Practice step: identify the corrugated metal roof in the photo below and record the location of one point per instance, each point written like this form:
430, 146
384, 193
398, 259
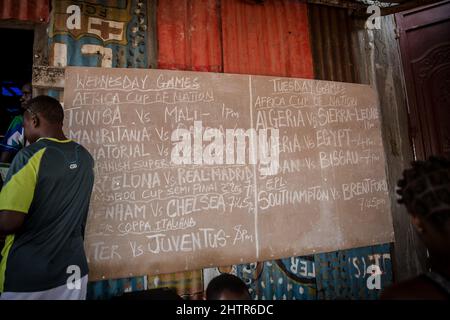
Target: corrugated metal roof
25, 10
360, 6
330, 31
270, 38
189, 35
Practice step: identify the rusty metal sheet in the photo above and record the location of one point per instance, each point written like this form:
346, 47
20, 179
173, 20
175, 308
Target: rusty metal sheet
346, 274
25, 10
331, 30
189, 35
269, 38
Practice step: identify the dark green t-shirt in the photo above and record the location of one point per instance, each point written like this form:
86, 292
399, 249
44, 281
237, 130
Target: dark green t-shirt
51, 182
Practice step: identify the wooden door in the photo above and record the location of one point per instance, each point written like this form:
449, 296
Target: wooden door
425, 49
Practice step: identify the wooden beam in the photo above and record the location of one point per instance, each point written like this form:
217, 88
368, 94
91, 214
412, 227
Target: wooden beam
406, 6
347, 4
401, 6
46, 77
387, 6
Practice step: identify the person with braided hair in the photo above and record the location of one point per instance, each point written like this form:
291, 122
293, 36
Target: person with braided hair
425, 191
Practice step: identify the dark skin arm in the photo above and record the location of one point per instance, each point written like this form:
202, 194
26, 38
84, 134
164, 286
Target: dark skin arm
6, 157
10, 222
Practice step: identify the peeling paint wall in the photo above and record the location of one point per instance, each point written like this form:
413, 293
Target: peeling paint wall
97, 35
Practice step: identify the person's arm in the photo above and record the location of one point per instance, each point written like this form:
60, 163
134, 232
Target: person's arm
13, 141
6, 156
10, 222
18, 190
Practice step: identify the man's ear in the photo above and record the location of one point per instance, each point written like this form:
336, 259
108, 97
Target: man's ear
418, 223
35, 121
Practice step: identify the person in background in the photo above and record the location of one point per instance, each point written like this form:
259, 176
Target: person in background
425, 191
43, 210
227, 287
14, 139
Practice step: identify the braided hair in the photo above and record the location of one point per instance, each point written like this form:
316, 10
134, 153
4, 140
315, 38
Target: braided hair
425, 190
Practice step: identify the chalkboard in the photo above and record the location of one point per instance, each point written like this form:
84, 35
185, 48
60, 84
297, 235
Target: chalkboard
172, 193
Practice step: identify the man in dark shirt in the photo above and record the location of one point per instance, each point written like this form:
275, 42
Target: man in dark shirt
425, 191
43, 210
14, 139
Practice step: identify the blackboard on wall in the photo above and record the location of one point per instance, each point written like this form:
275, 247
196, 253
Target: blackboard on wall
150, 215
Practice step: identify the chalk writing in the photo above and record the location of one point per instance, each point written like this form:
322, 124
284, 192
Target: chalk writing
150, 214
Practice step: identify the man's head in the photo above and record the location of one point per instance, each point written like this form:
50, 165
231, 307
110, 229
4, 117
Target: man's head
227, 287
26, 95
43, 116
425, 191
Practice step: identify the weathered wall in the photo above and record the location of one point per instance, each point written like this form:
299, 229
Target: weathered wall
378, 57
331, 34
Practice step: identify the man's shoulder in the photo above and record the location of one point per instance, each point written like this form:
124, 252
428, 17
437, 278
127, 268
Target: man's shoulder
28, 157
25, 154
43, 142
84, 151
30, 150
81, 151
16, 121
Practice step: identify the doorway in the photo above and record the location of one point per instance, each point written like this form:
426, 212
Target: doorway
16, 63
425, 50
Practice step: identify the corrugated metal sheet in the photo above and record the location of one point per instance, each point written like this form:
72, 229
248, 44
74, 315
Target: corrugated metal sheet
346, 274
25, 10
284, 279
270, 38
330, 31
189, 35
267, 39
335, 275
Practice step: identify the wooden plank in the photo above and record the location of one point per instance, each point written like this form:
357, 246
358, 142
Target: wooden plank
348, 4
48, 77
